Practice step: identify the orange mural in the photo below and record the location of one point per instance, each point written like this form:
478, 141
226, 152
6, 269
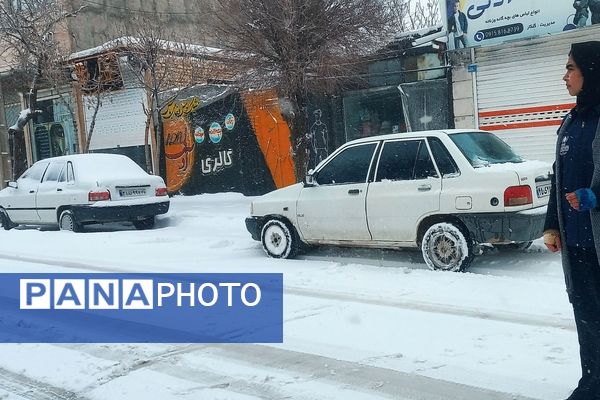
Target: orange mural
273, 135
179, 152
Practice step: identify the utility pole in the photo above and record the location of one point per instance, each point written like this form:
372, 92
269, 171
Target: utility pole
5, 167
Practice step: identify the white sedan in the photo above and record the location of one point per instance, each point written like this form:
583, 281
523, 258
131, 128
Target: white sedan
71, 191
448, 192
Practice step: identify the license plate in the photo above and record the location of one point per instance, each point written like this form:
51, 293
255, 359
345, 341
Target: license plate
543, 190
132, 192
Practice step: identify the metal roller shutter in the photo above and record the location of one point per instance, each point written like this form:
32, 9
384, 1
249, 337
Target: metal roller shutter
520, 93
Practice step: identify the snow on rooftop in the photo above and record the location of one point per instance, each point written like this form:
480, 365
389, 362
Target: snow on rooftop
420, 32
126, 41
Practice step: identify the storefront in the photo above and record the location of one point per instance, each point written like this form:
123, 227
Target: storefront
52, 132
376, 111
520, 95
407, 93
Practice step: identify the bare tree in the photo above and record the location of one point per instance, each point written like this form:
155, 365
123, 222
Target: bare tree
287, 42
299, 46
28, 34
160, 63
150, 51
414, 15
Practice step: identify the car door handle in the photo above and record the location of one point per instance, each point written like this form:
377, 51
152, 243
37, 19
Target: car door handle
59, 190
32, 191
353, 191
424, 188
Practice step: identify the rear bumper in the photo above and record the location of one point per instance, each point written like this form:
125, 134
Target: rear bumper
522, 226
119, 213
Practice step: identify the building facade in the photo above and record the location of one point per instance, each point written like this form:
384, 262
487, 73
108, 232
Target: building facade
61, 126
516, 90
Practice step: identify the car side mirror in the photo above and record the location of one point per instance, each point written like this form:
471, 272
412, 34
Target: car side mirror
13, 184
310, 181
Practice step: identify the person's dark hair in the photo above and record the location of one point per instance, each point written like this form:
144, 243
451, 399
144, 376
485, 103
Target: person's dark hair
587, 57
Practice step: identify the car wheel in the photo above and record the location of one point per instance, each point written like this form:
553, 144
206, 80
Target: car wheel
520, 246
7, 224
445, 247
146, 223
68, 222
279, 239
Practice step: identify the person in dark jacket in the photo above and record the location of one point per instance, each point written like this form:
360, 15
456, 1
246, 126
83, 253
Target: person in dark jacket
573, 220
581, 12
458, 25
594, 6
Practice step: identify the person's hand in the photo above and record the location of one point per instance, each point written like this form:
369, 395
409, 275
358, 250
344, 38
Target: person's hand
573, 200
552, 240
582, 199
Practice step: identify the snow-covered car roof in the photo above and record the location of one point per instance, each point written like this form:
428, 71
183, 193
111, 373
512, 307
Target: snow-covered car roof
100, 165
417, 134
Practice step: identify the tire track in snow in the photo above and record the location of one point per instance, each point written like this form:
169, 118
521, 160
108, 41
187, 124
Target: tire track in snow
437, 308
60, 263
282, 373
166, 362
32, 389
407, 304
355, 376
396, 384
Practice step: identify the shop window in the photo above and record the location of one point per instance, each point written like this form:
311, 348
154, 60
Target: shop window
99, 74
373, 112
425, 105
52, 131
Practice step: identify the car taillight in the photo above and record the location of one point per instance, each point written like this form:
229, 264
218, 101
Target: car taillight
99, 196
517, 196
161, 191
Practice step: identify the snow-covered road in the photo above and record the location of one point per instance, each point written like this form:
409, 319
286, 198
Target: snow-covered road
358, 324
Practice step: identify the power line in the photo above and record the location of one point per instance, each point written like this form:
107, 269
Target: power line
143, 11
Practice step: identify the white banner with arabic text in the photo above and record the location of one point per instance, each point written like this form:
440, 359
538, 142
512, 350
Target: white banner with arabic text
487, 22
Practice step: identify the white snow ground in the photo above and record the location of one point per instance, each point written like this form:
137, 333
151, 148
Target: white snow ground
358, 324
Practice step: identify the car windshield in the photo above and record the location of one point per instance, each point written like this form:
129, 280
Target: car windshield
482, 149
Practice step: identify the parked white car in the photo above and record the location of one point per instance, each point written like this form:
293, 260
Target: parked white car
445, 191
71, 191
